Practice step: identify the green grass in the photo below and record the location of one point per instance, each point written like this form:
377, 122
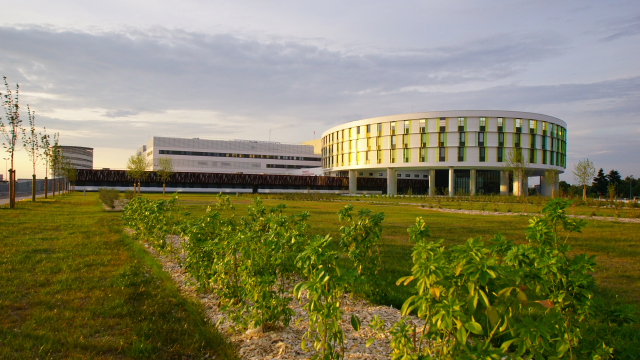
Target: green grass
74, 285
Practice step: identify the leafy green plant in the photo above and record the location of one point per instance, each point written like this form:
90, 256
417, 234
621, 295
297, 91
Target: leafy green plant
525, 301
324, 286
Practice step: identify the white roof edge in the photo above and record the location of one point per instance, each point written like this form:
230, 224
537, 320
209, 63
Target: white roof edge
451, 113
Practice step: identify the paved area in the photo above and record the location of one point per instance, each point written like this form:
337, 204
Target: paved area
4, 198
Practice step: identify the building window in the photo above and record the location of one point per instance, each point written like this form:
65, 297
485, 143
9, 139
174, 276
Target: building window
460, 153
407, 126
379, 156
482, 154
532, 156
392, 156
500, 124
407, 175
368, 129
405, 141
425, 176
416, 175
358, 130
480, 139
518, 125
407, 155
359, 174
441, 138
379, 143
441, 154
483, 124
367, 158
423, 154
462, 139
544, 128
392, 139
500, 154
379, 174
516, 140
532, 126
442, 123
393, 128
399, 175
422, 126
423, 140
460, 124
379, 129
532, 141
501, 139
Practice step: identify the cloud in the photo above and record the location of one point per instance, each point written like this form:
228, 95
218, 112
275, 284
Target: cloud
621, 27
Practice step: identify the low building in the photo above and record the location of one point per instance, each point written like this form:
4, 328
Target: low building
231, 156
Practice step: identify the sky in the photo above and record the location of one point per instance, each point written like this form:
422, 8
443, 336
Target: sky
110, 75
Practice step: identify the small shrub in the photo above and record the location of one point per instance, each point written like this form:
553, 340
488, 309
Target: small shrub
129, 194
108, 196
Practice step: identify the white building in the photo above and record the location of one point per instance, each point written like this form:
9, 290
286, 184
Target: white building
231, 156
455, 150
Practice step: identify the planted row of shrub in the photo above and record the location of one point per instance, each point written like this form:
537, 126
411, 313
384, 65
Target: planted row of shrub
509, 300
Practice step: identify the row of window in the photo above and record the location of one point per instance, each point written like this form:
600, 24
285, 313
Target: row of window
249, 156
549, 129
403, 141
548, 157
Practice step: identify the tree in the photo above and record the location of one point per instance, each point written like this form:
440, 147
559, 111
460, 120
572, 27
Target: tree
55, 159
551, 177
31, 142
45, 146
137, 166
518, 165
164, 169
614, 178
583, 171
600, 183
10, 131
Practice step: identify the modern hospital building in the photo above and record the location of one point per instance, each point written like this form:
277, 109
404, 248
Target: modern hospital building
461, 151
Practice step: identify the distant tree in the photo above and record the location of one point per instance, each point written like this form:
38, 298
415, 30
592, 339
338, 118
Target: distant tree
137, 166
55, 160
45, 146
614, 178
31, 142
564, 187
600, 183
11, 131
583, 172
518, 165
164, 169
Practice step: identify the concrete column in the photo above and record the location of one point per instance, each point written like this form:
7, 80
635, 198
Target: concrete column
451, 182
516, 186
472, 181
432, 182
392, 181
504, 183
545, 189
353, 181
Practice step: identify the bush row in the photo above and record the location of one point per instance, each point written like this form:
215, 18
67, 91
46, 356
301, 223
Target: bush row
501, 300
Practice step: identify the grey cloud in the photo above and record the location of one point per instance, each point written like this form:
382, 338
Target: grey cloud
620, 28
168, 69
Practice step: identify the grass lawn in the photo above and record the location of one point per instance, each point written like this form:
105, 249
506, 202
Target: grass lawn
616, 245
74, 285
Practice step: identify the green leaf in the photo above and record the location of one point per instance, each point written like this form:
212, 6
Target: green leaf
484, 298
493, 316
369, 342
355, 322
505, 345
474, 327
522, 297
